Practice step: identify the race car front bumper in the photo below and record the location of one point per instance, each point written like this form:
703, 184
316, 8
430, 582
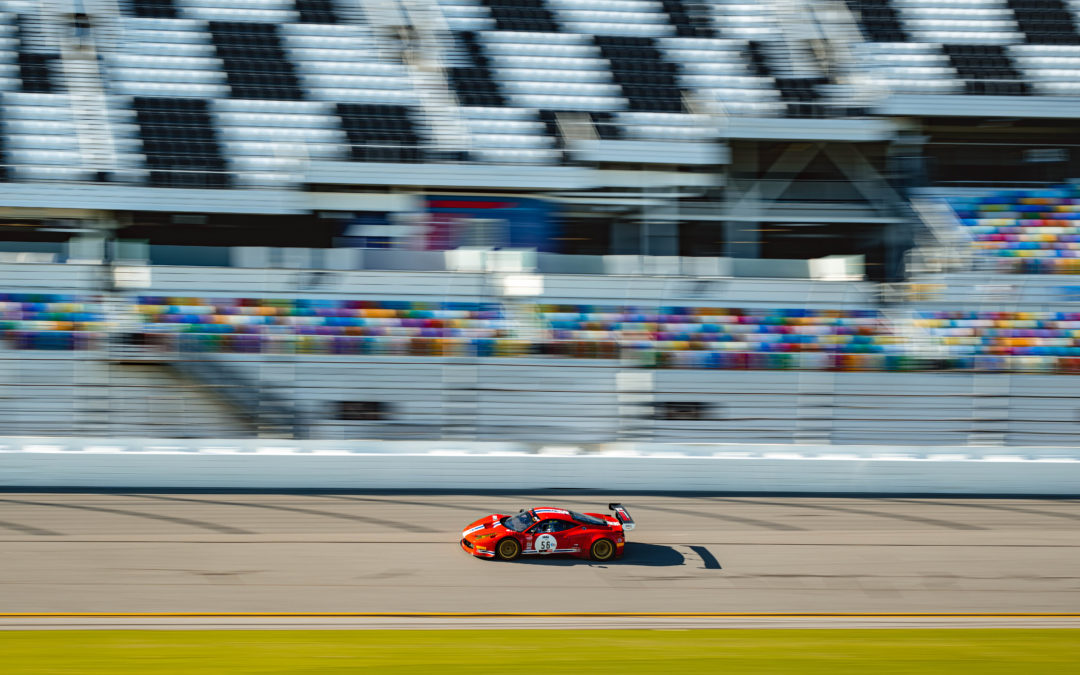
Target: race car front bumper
478, 551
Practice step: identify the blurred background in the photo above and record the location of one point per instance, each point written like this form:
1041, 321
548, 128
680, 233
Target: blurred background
794, 221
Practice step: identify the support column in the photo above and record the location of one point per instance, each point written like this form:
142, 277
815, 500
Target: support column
742, 238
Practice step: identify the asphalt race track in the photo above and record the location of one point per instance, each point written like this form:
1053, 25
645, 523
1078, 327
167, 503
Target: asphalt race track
72, 553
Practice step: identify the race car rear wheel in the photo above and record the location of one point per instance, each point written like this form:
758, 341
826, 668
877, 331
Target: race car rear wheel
508, 549
602, 550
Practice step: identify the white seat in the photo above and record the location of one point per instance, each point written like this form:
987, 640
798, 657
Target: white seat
354, 68
489, 126
502, 113
625, 29
549, 62
511, 140
584, 103
549, 75
172, 89
398, 97
355, 81
529, 37
170, 37
287, 121
592, 16
590, 89
299, 54
128, 60
517, 155
270, 106
14, 113
58, 172
628, 6
232, 14
191, 76
181, 49
275, 134
463, 23
68, 157
43, 127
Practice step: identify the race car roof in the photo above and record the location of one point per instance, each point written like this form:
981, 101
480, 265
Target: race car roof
565, 514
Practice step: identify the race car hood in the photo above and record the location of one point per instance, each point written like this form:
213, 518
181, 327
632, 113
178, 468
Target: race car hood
486, 525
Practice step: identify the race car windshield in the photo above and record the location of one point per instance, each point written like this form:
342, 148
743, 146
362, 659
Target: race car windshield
588, 520
520, 522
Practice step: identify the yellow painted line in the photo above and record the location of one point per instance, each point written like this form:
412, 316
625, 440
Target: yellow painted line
467, 615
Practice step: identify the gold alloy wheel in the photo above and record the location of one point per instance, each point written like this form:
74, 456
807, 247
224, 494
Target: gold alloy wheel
603, 549
508, 549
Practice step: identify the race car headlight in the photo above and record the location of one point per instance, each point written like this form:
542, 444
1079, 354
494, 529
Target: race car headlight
480, 537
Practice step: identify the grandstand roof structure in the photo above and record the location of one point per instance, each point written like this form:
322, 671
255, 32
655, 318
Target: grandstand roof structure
770, 130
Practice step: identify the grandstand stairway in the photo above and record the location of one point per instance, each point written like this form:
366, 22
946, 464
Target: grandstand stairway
460, 401
81, 394
428, 57
814, 408
89, 108
798, 90
441, 121
990, 410
266, 412
146, 399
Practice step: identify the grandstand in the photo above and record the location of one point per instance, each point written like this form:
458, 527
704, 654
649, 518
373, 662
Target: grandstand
790, 221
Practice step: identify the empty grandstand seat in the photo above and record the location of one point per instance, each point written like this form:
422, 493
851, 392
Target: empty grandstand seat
1032, 341
1029, 231
670, 336
50, 321
255, 325
991, 46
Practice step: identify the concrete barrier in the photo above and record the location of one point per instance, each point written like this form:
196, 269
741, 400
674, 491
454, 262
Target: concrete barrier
269, 465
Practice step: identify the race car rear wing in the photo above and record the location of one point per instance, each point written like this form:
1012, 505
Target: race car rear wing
623, 515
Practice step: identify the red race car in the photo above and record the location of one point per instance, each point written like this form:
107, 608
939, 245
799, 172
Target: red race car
544, 531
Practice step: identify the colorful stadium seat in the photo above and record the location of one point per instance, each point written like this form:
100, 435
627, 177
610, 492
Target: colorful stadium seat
1030, 231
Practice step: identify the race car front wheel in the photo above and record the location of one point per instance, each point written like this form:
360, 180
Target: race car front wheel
602, 550
508, 549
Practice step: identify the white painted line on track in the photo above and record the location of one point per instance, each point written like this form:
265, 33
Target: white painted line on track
532, 622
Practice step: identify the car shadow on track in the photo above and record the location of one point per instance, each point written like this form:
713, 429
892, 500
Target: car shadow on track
636, 554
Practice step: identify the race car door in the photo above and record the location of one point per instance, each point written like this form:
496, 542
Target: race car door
552, 536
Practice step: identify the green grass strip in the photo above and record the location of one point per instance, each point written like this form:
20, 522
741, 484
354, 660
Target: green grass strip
309, 652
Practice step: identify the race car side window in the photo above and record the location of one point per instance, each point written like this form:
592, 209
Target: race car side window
558, 525
552, 525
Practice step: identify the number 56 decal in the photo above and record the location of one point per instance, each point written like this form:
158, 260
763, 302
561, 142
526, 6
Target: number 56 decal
545, 543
